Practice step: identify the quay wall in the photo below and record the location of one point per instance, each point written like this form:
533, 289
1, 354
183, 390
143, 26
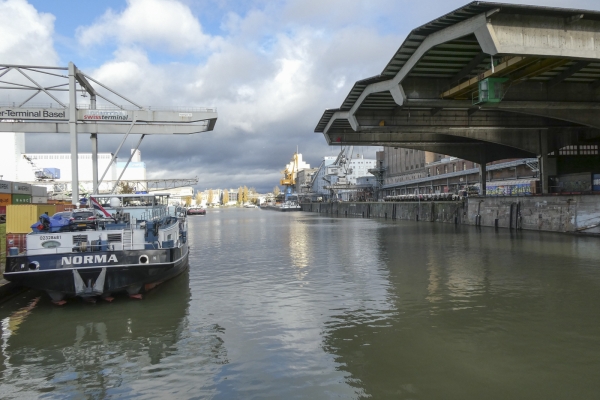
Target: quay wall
574, 214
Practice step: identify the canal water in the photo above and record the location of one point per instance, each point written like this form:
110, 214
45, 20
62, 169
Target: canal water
302, 306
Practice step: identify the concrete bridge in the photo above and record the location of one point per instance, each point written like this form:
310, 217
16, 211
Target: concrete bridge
486, 82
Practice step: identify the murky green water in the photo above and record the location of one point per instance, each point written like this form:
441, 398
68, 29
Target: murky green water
295, 306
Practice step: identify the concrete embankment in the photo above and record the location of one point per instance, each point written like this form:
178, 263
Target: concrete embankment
572, 214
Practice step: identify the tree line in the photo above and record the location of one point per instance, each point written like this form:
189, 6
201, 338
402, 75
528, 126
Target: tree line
244, 195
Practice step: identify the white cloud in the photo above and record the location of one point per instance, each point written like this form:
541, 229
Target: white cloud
164, 25
26, 35
270, 69
270, 83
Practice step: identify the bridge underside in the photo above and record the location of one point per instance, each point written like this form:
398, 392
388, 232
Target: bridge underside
487, 82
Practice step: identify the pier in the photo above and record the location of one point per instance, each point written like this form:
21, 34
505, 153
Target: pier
566, 214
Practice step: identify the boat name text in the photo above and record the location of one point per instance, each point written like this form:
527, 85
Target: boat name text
88, 259
49, 237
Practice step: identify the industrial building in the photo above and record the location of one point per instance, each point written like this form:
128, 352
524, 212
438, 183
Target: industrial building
18, 165
320, 184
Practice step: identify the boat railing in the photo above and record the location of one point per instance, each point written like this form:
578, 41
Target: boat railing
155, 213
90, 249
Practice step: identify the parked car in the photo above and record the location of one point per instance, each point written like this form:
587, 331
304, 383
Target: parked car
83, 218
79, 220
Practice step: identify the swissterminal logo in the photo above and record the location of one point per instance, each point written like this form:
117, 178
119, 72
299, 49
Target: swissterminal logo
98, 115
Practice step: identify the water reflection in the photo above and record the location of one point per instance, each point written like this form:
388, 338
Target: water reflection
300, 251
85, 350
305, 306
477, 315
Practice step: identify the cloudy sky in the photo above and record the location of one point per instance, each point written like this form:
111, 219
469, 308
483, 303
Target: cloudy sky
269, 67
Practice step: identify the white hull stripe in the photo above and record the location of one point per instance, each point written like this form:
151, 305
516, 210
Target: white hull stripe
97, 266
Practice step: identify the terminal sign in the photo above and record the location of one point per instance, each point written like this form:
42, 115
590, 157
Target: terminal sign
105, 115
24, 113
21, 114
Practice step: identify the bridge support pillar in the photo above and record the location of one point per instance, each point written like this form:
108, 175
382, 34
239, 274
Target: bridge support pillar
544, 162
482, 174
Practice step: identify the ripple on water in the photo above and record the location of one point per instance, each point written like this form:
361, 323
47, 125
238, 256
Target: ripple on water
304, 306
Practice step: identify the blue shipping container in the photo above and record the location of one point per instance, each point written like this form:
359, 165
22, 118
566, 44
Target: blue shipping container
596, 182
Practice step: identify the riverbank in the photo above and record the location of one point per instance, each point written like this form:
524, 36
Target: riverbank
566, 214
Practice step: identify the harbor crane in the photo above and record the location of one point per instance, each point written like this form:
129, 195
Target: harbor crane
289, 174
340, 169
42, 174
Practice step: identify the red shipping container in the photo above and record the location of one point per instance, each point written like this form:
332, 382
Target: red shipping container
17, 240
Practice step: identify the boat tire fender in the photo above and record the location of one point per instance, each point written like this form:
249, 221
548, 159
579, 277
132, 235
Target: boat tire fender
144, 259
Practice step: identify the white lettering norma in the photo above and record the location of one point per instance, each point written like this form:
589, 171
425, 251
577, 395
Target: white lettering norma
76, 260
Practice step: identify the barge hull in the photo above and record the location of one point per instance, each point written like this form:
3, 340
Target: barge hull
63, 282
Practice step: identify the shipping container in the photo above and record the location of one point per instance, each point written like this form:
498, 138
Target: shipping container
596, 182
19, 218
2, 214
39, 191
515, 187
571, 183
5, 199
21, 199
18, 240
39, 200
5, 187
21, 188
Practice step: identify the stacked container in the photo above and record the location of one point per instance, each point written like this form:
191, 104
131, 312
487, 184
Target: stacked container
21, 193
5, 197
19, 219
39, 195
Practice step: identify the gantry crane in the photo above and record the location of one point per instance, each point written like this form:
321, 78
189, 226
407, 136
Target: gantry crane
340, 169
289, 173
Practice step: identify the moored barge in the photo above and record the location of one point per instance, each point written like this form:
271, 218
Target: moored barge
138, 243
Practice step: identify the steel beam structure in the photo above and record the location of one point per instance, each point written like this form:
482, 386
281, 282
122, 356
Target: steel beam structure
148, 185
548, 63
65, 115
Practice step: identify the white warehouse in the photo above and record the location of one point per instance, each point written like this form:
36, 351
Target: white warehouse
19, 166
